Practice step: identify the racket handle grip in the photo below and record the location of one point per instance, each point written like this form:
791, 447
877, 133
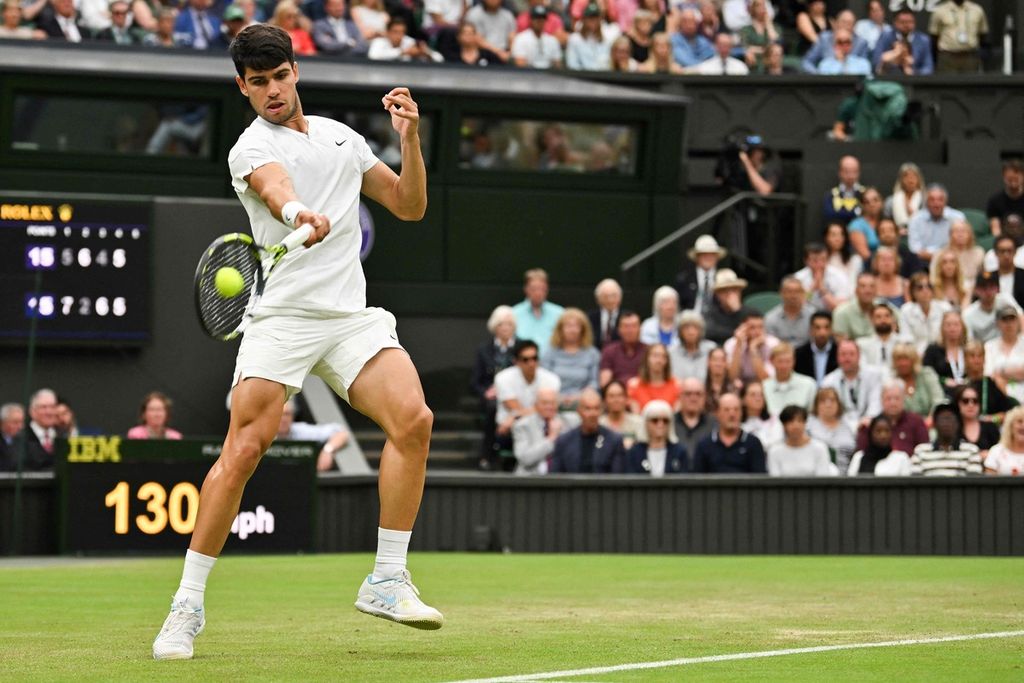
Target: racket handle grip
297, 237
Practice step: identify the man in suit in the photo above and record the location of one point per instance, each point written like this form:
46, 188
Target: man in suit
119, 31
902, 50
859, 388
533, 436
12, 421
60, 20
604, 320
817, 357
696, 283
876, 350
1011, 278
40, 432
336, 35
197, 26
589, 448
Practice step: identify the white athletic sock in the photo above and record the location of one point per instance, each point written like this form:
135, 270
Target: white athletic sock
392, 547
193, 579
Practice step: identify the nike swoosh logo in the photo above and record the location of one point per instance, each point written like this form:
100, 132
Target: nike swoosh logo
339, 144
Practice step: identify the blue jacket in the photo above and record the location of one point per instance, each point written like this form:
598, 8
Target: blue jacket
675, 459
609, 453
824, 48
690, 53
745, 455
185, 30
327, 41
920, 48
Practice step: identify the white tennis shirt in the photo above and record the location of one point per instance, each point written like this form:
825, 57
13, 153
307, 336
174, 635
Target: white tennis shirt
326, 166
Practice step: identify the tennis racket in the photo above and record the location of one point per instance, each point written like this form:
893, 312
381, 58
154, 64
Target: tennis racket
227, 317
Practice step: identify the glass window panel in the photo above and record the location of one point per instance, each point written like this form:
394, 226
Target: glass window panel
501, 144
376, 127
58, 123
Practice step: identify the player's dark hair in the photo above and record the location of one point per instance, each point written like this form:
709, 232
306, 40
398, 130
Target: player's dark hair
904, 10
261, 47
397, 21
821, 314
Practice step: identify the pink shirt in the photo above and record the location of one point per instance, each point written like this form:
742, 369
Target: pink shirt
142, 432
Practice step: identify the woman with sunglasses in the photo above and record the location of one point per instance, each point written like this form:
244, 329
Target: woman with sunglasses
657, 452
984, 435
863, 230
1004, 355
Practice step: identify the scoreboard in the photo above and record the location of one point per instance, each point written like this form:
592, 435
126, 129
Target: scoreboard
119, 495
79, 269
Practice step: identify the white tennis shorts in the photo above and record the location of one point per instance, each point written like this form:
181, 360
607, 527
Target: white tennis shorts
285, 349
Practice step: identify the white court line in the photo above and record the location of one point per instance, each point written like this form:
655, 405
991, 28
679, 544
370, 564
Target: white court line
524, 678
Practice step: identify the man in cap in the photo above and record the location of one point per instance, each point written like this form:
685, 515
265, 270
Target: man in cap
727, 311
234, 21
980, 316
695, 283
533, 48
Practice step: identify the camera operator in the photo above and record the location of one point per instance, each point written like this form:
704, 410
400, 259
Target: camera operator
745, 166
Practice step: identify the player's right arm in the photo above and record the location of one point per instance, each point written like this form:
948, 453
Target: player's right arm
274, 187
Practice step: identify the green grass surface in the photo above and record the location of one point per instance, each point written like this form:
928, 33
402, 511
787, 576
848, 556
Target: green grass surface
291, 618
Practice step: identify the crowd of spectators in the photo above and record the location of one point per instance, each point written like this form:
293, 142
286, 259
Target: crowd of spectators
865, 366
710, 37
49, 417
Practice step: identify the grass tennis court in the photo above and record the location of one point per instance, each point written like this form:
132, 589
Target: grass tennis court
291, 618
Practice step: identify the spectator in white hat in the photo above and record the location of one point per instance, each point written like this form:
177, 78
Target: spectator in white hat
695, 283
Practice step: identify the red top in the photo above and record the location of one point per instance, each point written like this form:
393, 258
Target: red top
645, 392
302, 42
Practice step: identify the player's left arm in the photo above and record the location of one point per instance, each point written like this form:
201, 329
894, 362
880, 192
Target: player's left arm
404, 195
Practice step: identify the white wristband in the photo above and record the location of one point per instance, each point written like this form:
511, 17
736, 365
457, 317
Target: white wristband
291, 210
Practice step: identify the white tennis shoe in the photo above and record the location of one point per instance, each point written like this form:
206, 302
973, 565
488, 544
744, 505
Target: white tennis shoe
180, 628
398, 600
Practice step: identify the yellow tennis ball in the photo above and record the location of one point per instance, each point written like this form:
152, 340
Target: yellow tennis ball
229, 282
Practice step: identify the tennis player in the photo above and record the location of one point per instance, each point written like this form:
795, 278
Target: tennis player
288, 170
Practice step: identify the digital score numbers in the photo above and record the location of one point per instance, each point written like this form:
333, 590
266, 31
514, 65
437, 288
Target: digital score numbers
78, 268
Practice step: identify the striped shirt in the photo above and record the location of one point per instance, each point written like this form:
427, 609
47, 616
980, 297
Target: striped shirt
931, 461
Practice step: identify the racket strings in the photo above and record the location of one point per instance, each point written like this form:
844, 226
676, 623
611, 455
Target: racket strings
222, 315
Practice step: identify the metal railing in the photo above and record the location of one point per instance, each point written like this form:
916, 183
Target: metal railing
778, 199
